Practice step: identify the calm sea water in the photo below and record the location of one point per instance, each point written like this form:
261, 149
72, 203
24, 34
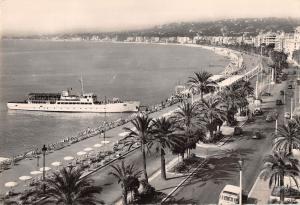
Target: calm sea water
147, 73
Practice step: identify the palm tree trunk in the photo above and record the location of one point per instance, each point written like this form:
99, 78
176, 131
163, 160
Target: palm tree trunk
124, 198
182, 156
281, 184
290, 148
144, 163
163, 164
201, 95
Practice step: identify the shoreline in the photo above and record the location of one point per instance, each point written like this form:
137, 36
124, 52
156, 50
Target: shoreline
91, 132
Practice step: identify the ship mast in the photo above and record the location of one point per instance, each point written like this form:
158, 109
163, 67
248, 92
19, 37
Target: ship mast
81, 82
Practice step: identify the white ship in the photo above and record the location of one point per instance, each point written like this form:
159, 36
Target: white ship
67, 102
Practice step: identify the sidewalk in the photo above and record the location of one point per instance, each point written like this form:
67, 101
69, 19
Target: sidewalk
260, 192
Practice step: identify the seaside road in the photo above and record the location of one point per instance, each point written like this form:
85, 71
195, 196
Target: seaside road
24, 167
206, 185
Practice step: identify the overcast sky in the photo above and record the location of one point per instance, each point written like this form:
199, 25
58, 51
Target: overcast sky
51, 16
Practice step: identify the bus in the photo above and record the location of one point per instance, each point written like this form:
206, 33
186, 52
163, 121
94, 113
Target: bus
229, 195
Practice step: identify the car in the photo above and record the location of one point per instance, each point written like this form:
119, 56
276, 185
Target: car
287, 115
281, 92
257, 112
279, 102
266, 94
257, 135
272, 116
290, 86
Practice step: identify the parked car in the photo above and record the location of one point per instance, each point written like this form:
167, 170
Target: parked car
290, 86
281, 92
266, 94
257, 135
287, 115
279, 102
257, 112
272, 116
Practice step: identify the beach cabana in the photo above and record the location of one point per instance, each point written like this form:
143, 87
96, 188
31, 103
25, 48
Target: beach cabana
25, 178
88, 149
81, 153
46, 169
36, 172
56, 164
68, 158
105, 142
98, 145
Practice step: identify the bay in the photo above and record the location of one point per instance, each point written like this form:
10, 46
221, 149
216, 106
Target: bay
144, 72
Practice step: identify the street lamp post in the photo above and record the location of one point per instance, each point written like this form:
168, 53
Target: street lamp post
44, 149
38, 161
241, 180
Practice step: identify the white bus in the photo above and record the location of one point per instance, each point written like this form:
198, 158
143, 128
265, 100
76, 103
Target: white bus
229, 195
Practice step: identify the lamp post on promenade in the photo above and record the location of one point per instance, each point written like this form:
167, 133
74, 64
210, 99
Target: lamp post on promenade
241, 180
37, 160
44, 149
276, 126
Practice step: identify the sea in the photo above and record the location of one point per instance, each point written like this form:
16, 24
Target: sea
143, 72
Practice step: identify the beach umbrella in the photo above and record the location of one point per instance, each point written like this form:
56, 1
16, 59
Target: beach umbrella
68, 158
46, 169
10, 184
81, 153
105, 142
88, 149
123, 134
56, 164
97, 145
36, 172
25, 178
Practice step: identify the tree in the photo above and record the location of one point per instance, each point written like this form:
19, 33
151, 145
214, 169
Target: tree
287, 137
164, 138
141, 133
68, 187
201, 83
210, 113
277, 166
128, 177
188, 124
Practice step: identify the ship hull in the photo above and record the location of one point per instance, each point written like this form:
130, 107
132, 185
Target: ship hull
130, 106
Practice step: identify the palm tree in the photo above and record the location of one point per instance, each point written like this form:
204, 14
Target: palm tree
246, 88
287, 137
277, 166
141, 133
188, 123
127, 176
164, 138
211, 113
68, 187
201, 83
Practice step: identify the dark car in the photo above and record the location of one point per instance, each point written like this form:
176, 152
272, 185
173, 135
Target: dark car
257, 135
290, 86
279, 102
266, 94
257, 112
281, 92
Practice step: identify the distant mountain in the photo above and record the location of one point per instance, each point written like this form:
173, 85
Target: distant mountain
228, 27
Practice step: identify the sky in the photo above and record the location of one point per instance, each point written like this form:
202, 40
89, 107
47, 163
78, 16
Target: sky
54, 16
